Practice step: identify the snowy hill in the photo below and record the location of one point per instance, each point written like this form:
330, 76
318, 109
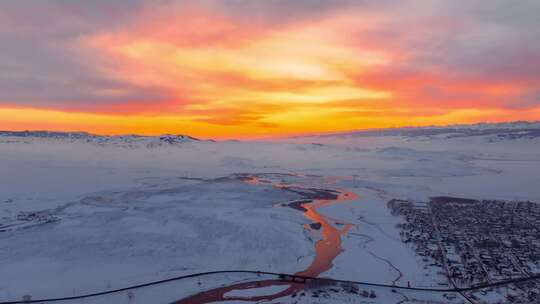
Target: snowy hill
84, 137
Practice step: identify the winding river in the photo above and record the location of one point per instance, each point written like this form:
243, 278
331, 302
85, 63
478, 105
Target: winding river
327, 249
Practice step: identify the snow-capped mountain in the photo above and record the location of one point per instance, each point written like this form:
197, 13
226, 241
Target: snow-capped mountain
490, 131
116, 140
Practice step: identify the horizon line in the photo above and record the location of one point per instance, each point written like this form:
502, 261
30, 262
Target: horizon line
271, 137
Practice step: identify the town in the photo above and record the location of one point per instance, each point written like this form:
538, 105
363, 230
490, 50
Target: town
475, 243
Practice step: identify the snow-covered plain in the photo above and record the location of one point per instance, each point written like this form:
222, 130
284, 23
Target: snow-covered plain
80, 216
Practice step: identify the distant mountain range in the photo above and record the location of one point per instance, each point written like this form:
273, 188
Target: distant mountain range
118, 140
493, 131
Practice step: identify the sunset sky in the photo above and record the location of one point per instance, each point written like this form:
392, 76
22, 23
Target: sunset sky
250, 68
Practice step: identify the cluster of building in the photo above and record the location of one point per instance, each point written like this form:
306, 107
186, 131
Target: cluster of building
475, 242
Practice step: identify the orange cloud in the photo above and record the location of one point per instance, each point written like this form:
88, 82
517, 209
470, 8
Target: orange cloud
229, 74
218, 75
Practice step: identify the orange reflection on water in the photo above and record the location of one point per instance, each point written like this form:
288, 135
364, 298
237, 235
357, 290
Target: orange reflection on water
327, 249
